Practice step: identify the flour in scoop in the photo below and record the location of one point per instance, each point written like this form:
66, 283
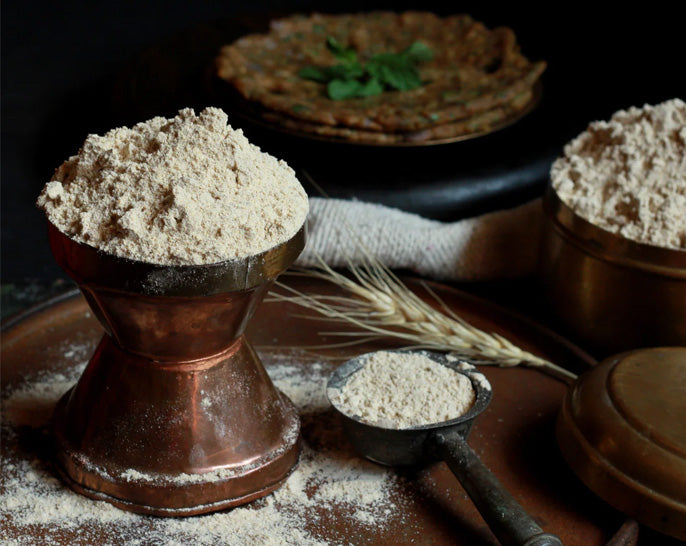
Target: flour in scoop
403, 390
179, 191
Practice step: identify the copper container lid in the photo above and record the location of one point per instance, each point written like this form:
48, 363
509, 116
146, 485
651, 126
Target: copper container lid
622, 429
612, 293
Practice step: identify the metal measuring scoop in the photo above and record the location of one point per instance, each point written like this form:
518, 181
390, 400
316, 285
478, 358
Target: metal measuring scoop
446, 441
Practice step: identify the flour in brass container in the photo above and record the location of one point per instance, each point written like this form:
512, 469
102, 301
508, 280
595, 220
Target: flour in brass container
628, 175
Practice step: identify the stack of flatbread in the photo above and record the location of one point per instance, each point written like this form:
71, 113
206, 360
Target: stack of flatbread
478, 79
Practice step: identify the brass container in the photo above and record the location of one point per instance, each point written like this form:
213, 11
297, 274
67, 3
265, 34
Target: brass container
611, 293
621, 430
174, 414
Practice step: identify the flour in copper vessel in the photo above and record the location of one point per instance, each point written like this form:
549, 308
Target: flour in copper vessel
185, 190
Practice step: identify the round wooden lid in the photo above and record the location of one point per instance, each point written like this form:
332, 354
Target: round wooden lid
622, 429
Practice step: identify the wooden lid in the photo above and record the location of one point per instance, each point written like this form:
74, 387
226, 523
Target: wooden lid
622, 429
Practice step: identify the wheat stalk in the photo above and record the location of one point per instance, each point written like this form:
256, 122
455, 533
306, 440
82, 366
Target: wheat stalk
380, 305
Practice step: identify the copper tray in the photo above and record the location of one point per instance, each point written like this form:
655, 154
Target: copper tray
514, 437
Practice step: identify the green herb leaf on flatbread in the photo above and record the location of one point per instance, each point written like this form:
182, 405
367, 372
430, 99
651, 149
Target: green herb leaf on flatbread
347, 55
343, 89
351, 89
395, 71
371, 88
384, 71
314, 73
419, 52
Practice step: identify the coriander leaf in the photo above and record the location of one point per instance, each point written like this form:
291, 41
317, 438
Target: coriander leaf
326, 74
371, 88
346, 72
419, 52
395, 71
402, 78
351, 89
343, 89
347, 55
350, 79
313, 73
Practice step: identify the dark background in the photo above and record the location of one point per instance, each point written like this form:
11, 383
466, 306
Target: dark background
73, 68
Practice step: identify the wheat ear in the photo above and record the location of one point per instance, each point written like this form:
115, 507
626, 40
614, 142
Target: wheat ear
381, 305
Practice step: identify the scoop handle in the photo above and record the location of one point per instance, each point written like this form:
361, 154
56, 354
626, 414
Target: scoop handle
510, 523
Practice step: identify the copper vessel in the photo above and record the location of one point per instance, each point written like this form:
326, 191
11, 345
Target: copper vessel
612, 293
621, 430
174, 414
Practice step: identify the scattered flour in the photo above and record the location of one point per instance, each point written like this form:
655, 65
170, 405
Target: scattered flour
404, 390
186, 190
289, 439
32, 404
475, 375
330, 483
628, 175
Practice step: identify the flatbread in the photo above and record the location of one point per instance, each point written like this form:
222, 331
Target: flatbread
477, 124
475, 70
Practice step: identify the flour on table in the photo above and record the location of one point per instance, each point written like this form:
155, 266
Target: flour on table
330, 483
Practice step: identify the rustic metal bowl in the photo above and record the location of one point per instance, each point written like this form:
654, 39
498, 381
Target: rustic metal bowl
611, 293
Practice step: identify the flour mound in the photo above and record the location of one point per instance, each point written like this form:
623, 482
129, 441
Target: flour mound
403, 390
628, 175
186, 190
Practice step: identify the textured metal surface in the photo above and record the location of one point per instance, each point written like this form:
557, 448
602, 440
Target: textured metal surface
514, 436
615, 294
626, 535
220, 414
93, 268
622, 429
505, 516
174, 414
